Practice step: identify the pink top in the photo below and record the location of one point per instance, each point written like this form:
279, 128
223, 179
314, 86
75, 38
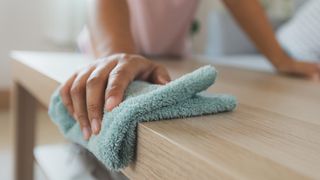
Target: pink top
159, 27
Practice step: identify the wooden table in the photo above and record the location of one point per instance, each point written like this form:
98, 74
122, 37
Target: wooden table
273, 134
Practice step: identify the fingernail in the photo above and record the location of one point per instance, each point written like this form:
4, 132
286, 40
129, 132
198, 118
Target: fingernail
95, 126
86, 132
110, 103
163, 80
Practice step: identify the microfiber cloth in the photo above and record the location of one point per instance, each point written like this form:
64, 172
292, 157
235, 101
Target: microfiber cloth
114, 146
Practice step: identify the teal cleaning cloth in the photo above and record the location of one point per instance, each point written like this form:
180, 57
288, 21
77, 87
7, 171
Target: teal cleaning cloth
114, 146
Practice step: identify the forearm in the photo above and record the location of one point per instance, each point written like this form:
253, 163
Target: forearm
109, 26
251, 17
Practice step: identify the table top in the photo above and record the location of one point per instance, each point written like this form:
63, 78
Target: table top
273, 134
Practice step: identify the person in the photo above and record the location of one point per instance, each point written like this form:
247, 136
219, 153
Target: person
124, 33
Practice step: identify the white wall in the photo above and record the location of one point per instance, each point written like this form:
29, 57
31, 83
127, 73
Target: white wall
21, 28
205, 7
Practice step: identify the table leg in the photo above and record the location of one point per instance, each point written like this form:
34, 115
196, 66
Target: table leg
23, 113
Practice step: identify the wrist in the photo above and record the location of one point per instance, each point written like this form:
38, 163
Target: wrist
104, 51
116, 49
282, 62
110, 52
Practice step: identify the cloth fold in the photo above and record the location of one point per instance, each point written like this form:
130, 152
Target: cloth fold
114, 146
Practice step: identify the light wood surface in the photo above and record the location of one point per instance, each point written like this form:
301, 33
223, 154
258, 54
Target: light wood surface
273, 134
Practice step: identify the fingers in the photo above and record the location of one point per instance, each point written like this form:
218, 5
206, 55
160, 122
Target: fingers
311, 70
95, 90
304, 69
160, 75
128, 70
118, 81
65, 94
106, 80
78, 96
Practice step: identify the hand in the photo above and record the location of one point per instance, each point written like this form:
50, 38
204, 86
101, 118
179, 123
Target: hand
304, 69
106, 79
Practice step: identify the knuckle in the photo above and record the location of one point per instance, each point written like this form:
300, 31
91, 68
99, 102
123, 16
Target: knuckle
121, 72
124, 57
93, 107
119, 77
138, 60
94, 80
114, 90
67, 103
76, 90
63, 91
116, 86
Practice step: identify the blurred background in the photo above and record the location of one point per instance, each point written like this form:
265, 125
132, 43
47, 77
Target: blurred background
54, 25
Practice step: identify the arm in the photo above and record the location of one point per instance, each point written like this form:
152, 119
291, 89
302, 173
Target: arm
251, 17
109, 26
107, 78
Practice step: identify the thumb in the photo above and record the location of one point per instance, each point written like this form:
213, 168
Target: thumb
160, 75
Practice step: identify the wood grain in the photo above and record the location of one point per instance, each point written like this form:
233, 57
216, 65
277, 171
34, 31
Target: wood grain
293, 97
273, 134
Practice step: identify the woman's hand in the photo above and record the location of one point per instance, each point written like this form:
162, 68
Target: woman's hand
105, 80
303, 69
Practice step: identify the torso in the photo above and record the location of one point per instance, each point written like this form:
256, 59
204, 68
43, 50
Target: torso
161, 27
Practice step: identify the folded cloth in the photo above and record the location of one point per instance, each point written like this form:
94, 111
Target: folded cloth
114, 146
